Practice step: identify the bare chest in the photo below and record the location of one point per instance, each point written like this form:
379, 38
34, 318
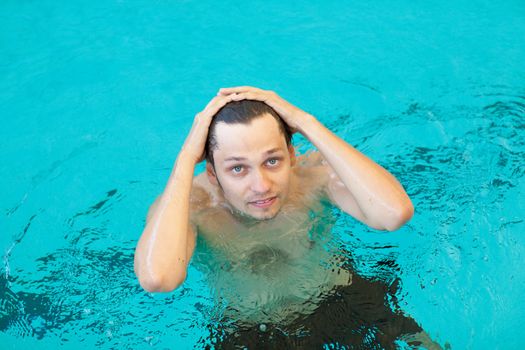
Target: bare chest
282, 238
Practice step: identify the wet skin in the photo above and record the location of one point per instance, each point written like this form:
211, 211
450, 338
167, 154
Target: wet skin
259, 211
265, 245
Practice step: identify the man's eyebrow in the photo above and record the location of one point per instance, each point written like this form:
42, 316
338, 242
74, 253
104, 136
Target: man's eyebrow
273, 150
234, 158
270, 151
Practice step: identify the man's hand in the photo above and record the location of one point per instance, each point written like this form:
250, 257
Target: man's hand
292, 115
196, 139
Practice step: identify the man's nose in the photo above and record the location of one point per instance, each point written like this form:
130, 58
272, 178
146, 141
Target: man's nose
260, 182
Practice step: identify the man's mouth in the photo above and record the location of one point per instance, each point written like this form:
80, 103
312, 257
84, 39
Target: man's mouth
263, 203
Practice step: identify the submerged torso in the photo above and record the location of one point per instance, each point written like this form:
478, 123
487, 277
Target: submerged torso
273, 270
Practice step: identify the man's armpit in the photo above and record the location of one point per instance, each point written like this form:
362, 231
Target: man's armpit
199, 199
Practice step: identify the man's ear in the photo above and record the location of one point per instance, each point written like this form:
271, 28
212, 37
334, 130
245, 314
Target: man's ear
291, 151
210, 171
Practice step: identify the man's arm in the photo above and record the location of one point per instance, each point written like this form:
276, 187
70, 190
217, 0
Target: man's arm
192, 232
334, 189
358, 185
162, 255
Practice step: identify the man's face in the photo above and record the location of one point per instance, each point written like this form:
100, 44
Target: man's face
253, 166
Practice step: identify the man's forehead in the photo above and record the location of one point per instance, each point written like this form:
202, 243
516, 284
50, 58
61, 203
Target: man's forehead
260, 135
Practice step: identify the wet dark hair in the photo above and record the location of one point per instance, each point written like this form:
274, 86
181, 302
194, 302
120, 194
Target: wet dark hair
241, 112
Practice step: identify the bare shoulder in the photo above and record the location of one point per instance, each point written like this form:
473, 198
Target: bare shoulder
202, 193
200, 197
310, 176
310, 159
311, 165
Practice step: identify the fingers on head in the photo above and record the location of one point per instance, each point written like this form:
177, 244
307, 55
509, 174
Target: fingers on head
246, 96
238, 89
219, 101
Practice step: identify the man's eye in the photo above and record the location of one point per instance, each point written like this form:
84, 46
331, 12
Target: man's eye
237, 169
272, 161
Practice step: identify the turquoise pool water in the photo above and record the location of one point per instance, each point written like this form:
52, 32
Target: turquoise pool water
96, 99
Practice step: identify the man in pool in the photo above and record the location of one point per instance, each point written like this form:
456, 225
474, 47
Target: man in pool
256, 205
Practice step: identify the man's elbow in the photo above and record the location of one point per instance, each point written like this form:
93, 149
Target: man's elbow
402, 216
161, 285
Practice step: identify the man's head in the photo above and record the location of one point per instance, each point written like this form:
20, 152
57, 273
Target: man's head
249, 157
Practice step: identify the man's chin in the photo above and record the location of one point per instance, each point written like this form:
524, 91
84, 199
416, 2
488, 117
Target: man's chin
264, 217
254, 216
258, 214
